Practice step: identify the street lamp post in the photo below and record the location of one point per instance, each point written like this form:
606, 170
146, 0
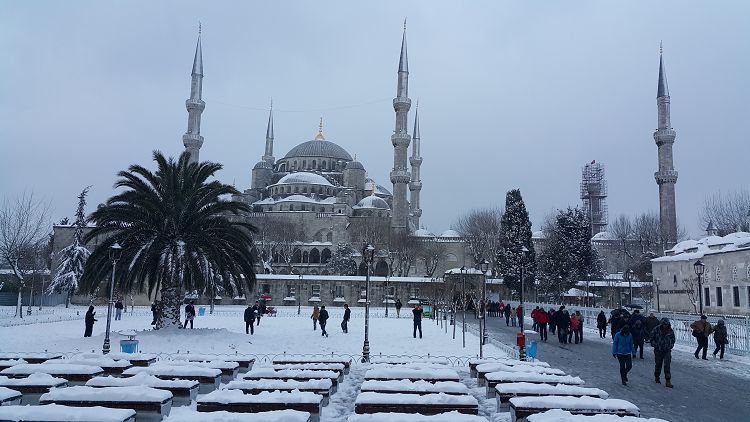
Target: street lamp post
658, 306
522, 346
630, 285
387, 277
114, 254
699, 269
298, 294
484, 266
463, 305
368, 254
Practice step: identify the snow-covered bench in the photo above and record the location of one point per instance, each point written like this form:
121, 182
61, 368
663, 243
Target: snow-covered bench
486, 368
522, 407
223, 416
75, 374
415, 387
237, 401
183, 391
411, 374
473, 363
557, 415
346, 362
318, 386
7, 363
336, 367
412, 417
9, 397
110, 366
246, 363
148, 403
58, 413
209, 378
428, 404
33, 386
501, 377
136, 359
292, 374
30, 357
524, 389
405, 361
229, 369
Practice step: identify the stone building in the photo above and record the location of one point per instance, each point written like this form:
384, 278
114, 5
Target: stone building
725, 283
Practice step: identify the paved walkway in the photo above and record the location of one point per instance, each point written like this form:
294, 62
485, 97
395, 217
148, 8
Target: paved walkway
703, 391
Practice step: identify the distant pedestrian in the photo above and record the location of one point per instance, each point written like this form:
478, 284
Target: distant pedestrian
542, 319
315, 315
662, 339
581, 320
601, 324
563, 324
575, 323
638, 330
249, 319
89, 320
118, 309
552, 320
323, 320
534, 315
622, 349
261, 310
519, 314
701, 330
417, 311
506, 313
154, 313
189, 315
720, 338
347, 317
651, 322
398, 308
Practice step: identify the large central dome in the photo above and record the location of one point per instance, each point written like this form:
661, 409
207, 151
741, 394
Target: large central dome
319, 148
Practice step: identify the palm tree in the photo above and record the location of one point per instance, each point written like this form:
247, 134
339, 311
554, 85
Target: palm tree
177, 233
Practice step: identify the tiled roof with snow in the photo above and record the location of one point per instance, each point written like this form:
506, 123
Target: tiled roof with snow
697, 249
303, 177
423, 233
450, 233
372, 201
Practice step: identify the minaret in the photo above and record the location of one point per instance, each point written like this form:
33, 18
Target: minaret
666, 177
416, 162
195, 105
268, 156
400, 139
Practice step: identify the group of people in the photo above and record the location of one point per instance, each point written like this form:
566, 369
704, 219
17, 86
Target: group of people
252, 316
320, 317
702, 329
567, 325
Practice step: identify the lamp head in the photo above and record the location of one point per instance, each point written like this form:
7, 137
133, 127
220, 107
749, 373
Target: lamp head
115, 251
699, 267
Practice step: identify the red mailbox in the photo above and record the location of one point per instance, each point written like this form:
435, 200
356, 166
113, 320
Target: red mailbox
520, 340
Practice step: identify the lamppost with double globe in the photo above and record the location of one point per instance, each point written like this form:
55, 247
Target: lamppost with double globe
368, 254
699, 270
298, 294
463, 305
522, 345
114, 254
484, 266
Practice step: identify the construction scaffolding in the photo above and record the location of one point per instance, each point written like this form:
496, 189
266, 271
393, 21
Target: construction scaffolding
594, 196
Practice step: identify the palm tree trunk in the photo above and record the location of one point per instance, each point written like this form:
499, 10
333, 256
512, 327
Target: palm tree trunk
169, 314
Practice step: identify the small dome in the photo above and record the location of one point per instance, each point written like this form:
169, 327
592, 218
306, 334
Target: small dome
354, 165
423, 233
450, 233
303, 177
382, 191
263, 165
319, 148
372, 201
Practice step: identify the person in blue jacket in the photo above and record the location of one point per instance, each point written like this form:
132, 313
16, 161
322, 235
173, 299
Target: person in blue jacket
622, 349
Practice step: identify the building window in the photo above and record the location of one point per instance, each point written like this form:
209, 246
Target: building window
324, 165
719, 301
339, 289
304, 164
291, 291
748, 296
717, 275
390, 292
736, 296
734, 274
363, 294
674, 279
313, 164
415, 292
707, 296
316, 290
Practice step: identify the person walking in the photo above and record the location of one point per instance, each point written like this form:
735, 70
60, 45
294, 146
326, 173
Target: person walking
552, 320
514, 316
519, 314
398, 308
616, 321
417, 311
323, 320
622, 349
651, 323
662, 340
315, 315
720, 338
575, 324
701, 330
506, 313
534, 315
249, 319
580, 325
563, 324
118, 309
261, 310
347, 317
189, 314
638, 329
154, 313
542, 318
601, 324
89, 320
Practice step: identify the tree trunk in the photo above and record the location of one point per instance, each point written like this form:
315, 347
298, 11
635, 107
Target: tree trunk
169, 312
19, 307
67, 300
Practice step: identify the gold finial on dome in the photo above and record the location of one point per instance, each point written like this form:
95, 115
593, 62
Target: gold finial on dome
319, 136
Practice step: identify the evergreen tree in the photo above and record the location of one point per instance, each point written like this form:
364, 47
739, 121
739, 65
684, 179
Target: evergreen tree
342, 261
515, 233
73, 257
568, 256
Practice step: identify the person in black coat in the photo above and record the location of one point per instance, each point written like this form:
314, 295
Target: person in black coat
250, 319
417, 311
322, 320
563, 324
507, 311
89, 320
154, 312
118, 309
347, 316
189, 315
398, 308
601, 324
261, 310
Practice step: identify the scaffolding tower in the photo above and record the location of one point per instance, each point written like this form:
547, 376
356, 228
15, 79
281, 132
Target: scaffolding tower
594, 196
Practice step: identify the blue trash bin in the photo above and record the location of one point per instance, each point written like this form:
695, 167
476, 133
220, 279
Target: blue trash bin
129, 346
531, 350
201, 311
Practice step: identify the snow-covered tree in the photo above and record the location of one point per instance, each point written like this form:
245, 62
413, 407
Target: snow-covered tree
73, 257
342, 261
568, 256
515, 234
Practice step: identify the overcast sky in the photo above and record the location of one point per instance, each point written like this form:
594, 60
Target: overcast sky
512, 94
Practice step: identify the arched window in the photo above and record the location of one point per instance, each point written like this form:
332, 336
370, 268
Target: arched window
314, 256
324, 165
325, 256
329, 237
296, 256
362, 269
305, 257
304, 164
451, 258
284, 271
296, 189
675, 279
313, 164
324, 272
381, 269
314, 272
288, 189
275, 255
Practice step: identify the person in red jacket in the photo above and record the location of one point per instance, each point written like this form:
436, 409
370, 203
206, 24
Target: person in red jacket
534, 313
519, 315
541, 321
